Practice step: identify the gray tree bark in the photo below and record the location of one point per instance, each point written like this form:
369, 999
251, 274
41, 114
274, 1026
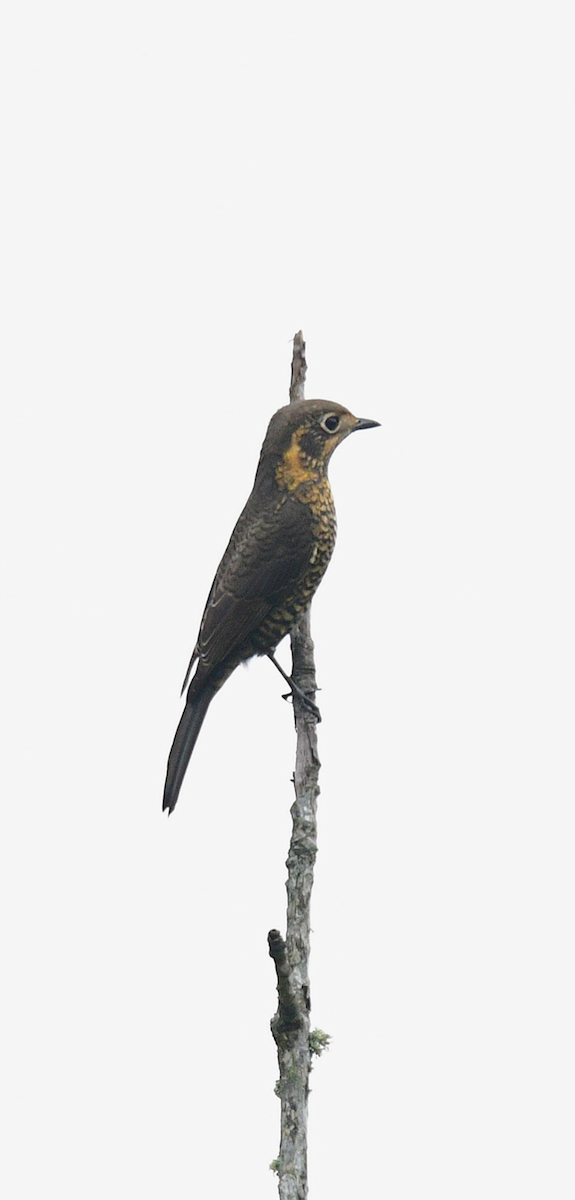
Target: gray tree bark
291, 1024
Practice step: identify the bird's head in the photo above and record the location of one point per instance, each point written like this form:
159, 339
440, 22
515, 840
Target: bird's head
302, 437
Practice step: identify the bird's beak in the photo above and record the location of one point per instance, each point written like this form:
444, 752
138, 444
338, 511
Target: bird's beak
364, 423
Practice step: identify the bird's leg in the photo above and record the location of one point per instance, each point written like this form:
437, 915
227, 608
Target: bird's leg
295, 690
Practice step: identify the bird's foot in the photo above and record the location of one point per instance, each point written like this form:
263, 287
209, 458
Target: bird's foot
305, 697
306, 700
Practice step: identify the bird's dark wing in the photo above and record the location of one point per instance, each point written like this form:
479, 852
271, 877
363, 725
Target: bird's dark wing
266, 556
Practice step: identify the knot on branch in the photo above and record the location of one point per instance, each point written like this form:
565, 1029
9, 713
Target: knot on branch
288, 1018
276, 944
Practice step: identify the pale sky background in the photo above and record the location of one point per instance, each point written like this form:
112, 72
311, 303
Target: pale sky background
185, 186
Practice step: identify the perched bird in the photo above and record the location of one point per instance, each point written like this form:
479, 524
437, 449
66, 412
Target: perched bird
275, 559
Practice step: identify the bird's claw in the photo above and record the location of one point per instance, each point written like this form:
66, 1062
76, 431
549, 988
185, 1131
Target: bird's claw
306, 701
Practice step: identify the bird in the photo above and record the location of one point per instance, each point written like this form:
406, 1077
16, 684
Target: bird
275, 559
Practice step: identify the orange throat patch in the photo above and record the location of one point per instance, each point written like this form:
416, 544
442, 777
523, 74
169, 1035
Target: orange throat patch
296, 467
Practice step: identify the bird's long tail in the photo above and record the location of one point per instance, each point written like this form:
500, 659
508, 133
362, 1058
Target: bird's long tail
186, 736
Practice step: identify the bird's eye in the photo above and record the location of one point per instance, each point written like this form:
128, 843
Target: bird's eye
330, 423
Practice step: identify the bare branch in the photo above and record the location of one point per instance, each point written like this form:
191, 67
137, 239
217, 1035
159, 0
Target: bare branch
291, 1024
298, 369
